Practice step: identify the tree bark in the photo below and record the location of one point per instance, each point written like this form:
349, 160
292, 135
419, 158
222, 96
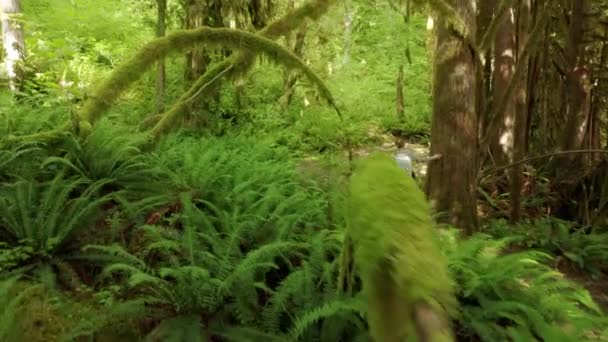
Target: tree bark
501, 143
160, 72
452, 179
521, 111
12, 40
579, 85
484, 18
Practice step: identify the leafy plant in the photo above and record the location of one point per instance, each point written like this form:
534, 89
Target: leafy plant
111, 153
12, 297
44, 219
516, 296
585, 247
207, 278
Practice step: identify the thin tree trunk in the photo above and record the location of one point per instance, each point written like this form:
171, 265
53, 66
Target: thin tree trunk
452, 179
501, 142
160, 72
349, 16
486, 12
400, 99
596, 107
521, 112
12, 40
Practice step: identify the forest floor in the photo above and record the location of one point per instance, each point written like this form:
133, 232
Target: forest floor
597, 286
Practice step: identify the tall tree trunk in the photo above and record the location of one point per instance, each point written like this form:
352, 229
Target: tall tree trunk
349, 16
12, 41
596, 104
521, 111
579, 85
160, 72
501, 143
452, 179
484, 18
400, 100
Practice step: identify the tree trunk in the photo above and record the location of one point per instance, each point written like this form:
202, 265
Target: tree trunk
349, 16
521, 111
501, 143
12, 41
452, 179
484, 18
400, 100
579, 85
160, 72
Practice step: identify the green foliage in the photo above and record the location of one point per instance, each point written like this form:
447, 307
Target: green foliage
243, 254
516, 296
43, 220
112, 153
13, 296
10, 305
583, 246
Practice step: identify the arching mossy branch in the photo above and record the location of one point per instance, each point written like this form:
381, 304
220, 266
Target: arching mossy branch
103, 98
134, 68
239, 63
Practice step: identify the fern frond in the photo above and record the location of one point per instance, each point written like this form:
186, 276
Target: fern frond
305, 321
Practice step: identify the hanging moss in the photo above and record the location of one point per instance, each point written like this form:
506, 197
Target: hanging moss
395, 250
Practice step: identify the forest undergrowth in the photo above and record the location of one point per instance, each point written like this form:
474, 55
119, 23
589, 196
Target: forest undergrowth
226, 239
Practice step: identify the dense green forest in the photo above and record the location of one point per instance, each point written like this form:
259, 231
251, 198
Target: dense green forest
304, 170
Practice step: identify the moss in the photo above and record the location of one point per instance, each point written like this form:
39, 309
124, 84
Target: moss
396, 248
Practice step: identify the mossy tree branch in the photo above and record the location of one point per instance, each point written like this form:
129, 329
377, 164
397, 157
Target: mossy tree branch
130, 71
242, 62
108, 92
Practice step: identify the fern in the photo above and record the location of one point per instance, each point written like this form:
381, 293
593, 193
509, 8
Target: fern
11, 300
516, 295
46, 218
112, 153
